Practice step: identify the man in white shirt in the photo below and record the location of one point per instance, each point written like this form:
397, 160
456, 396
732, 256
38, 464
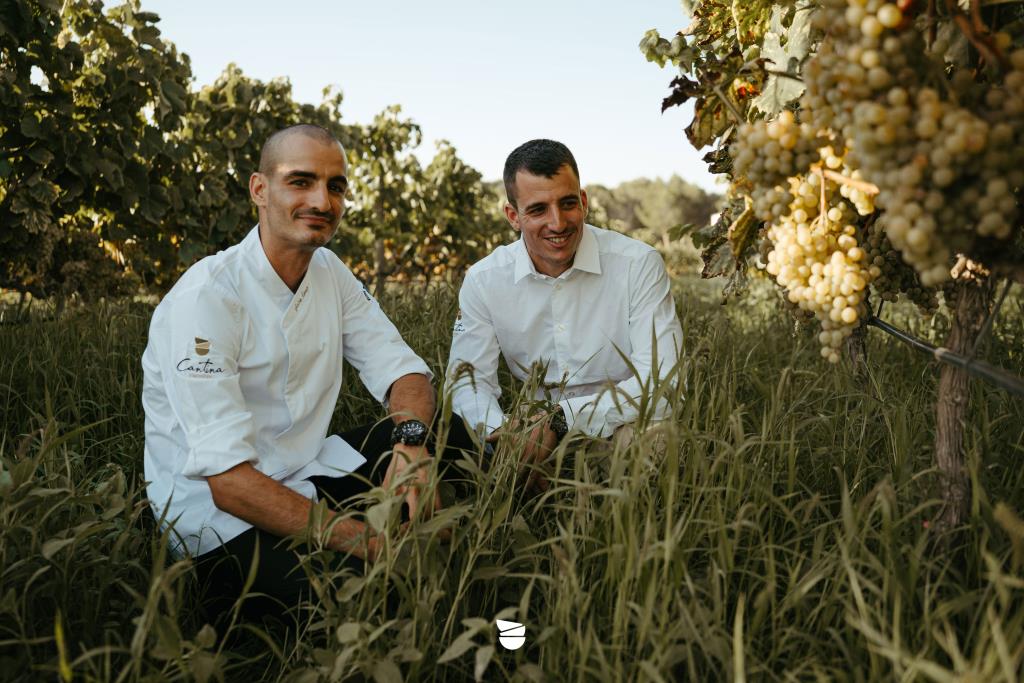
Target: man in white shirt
242, 372
569, 296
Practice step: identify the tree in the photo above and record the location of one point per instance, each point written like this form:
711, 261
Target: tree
87, 100
116, 175
872, 148
464, 218
655, 211
387, 195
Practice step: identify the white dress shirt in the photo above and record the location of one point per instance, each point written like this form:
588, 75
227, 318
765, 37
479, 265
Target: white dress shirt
238, 368
612, 297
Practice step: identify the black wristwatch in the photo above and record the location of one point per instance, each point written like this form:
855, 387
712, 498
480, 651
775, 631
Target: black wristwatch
557, 424
410, 433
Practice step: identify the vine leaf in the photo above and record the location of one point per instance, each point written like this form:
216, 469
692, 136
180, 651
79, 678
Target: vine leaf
711, 118
785, 49
742, 231
717, 240
682, 90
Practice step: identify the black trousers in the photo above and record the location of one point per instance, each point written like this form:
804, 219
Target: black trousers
280, 582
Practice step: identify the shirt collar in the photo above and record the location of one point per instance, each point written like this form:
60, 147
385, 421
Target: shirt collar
587, 259
265, 272
524, 266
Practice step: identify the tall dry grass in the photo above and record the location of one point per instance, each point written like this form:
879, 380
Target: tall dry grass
774, 529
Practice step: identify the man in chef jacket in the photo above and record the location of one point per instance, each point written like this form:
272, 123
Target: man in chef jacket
570, 298
242, 372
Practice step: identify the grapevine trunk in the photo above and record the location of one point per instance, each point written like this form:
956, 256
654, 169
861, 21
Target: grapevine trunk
972, 299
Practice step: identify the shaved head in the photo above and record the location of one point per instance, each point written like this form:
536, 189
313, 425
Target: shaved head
279, 141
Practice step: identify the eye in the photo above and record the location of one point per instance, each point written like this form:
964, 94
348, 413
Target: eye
337, 188
299, 182
570, 203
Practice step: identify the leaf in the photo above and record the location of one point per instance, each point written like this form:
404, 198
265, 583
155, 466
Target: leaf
682, 90
711, 118
207, 637
742, 231
752, 20
174, 93
483, 659
40, 155
489, 573
781, 90
148, 35
204, 665
718, 261
718, 160
168, 639
378, 515
351, 588
58, 635
30, 126
387, 671
348, 632
54, 545
458, 647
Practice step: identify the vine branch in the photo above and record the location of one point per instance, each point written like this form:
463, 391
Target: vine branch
862, 185
976, 32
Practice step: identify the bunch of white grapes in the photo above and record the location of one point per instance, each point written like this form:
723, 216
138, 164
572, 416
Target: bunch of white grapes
942, 150
817, 259
766, 153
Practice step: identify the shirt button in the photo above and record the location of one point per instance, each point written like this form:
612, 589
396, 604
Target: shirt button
561, 328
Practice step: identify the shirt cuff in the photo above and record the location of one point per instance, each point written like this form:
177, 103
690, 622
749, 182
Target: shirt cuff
581, 415
219, 451
412, 366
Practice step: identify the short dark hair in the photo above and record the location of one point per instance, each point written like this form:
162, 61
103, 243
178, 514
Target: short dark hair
272, 147
538, 157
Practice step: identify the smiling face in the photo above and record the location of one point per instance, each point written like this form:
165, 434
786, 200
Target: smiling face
550, 215
301, 196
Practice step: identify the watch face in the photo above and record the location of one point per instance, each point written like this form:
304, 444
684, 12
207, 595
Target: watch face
410, 433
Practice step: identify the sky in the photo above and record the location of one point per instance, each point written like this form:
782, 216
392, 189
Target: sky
484, 75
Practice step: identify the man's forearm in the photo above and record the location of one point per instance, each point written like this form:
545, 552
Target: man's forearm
250, 495
412, 397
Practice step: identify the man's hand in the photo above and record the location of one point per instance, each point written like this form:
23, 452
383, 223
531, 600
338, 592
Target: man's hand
247, 493
539, 442
411, 458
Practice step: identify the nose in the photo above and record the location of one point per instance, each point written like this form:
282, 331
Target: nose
320, 197
556, 218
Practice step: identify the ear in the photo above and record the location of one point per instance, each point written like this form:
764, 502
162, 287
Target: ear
512, 215
258, 189
583, 202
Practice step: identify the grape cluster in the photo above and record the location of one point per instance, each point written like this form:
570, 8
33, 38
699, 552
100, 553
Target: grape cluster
893, 164
766, 153
941, 149
817, 259
891, 276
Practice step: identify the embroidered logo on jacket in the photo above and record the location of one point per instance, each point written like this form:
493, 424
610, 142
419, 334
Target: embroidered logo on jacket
202, 346
198, 367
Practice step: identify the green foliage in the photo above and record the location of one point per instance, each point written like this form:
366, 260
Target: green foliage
656, 212
87, 100
114, 173
787, 493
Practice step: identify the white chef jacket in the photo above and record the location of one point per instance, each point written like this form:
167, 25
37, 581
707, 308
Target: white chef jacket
614, 294
238, 368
